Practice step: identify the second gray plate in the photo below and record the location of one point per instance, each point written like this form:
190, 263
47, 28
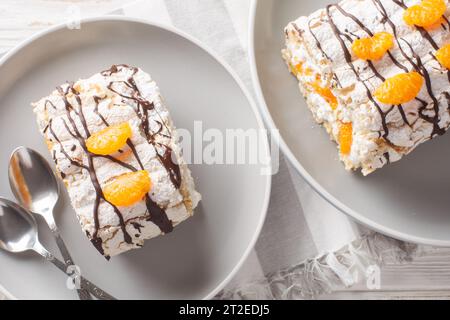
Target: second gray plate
408, 200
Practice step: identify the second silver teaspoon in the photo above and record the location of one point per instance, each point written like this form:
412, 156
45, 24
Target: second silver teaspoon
34, 185
19, 233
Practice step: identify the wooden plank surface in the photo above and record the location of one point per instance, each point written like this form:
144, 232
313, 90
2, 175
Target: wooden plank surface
21, 18
427, 277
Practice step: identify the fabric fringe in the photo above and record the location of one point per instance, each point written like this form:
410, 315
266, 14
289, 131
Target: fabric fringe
328, 272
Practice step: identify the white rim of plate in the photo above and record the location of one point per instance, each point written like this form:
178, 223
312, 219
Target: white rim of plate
293, 160
6, 294
235, 77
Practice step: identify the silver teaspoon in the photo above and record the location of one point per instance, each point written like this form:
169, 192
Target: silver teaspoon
35, 187
19, 233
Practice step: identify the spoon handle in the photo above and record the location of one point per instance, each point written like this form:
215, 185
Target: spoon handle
85, 284
83, 294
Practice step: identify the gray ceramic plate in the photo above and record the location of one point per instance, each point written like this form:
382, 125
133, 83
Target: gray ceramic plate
409, 199
202, 254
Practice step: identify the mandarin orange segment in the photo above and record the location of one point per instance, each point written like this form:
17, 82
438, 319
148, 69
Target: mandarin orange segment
127, 189
436, 25
373, 48
399, 89
425, 14
325, 93
308, 72
443, 56
110, 139
296, 69
346, 138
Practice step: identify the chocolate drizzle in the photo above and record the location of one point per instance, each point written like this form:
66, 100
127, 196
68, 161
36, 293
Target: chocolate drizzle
91, 169
387, 157
402, 113
137, 226
142, 110
174, 169
429, 38
370, 33
318, 45
386, 18
417, 65
156, 214
424, 72
348, 59
48, 102
370, 63
97, 101
447, 21
447, 97
422, 31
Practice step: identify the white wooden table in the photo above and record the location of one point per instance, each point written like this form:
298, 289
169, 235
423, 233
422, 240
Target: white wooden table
427, 277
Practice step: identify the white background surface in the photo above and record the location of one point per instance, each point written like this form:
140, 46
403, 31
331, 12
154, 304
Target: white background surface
425, 277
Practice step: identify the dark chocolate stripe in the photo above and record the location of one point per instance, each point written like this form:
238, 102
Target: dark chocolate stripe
422, 31
117, 161
96, 111
92, 172
137, 226
386, 156
447, 96
143, 108
424, 72
48, 102
156, 214
370, 63
369, 33
402, 113
426, 35
348, 59
385, 16
356, 20
418, 66
318, 45
447, 21
80, 110
63, 151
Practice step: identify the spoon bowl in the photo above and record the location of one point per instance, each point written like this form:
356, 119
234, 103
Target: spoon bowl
35, 187
18, 228
33, 182
19, 233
